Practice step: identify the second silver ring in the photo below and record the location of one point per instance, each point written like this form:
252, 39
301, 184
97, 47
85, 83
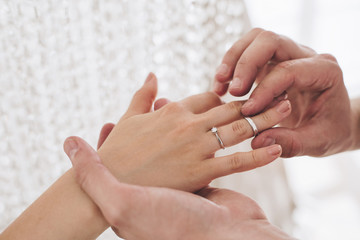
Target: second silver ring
253, 125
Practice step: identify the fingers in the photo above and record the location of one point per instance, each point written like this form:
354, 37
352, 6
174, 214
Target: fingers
143, 99
250, 55
225, 71
96, 180
266, 46
220, 88
201, 102
302, 74
223, 114
290, 141
239, 162
240, 130
104, 133
160, 103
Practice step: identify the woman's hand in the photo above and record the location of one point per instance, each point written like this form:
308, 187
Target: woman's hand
321, 122
174, 147
136, 212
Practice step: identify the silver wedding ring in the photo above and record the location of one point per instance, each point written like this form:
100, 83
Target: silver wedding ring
215, 132
253, 125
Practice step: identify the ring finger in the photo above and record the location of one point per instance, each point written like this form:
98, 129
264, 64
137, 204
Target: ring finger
240, 130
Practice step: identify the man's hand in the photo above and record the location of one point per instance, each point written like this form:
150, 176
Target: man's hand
136, 212
321, 121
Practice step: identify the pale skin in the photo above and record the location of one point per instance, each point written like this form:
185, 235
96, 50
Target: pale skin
145, 213
324, 121
171, 147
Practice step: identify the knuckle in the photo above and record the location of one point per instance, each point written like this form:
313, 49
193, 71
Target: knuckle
292, 148
234, 106
255, 159
240, 128
113, 216
267, 117
213, 97
270, 36
286, 65
328, 56
173, 107
236, 162
257, 30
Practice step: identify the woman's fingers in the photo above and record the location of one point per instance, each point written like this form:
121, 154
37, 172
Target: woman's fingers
104, 133
241, 161
240, 130
143, 99
201, 102
223, 114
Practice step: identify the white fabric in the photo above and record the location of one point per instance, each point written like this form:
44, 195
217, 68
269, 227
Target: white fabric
67, 67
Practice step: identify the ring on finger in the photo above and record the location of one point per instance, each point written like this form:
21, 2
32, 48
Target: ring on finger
253, 126
214, 130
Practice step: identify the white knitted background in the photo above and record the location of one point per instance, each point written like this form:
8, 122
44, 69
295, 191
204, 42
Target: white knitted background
67, 67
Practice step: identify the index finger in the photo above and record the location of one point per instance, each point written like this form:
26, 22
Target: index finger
267, 46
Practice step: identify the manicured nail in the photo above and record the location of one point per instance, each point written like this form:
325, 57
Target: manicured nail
268, 141
223, 70
217, 87
149, 77
249, 103
283, 107
274, 150
71, 147
236, 83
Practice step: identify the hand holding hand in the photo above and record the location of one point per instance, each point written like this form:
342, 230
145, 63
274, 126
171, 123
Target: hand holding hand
136, 212
321, 121
174, 147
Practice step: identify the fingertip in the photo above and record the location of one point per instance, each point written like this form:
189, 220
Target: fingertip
274, 150
220, 88
150, 78
160, 103
222, 73
71, 147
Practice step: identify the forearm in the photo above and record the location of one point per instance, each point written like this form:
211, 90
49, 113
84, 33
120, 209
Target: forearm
355, 134
64, 211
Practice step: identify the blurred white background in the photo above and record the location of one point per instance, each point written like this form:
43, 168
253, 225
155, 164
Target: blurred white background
66, 67
326, 191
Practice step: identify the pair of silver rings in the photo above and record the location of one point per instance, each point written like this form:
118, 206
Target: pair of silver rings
214, 130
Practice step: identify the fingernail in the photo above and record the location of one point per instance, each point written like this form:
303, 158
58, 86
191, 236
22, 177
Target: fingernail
71, 147
236, 83
223, 70
149, 77
249, 103
274, 150
283, 107
217, 87
268, 141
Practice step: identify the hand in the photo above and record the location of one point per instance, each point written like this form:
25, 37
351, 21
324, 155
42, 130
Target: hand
136, 212
321, 120
174, 147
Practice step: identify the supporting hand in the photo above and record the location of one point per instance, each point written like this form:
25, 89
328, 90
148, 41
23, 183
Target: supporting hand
137, 212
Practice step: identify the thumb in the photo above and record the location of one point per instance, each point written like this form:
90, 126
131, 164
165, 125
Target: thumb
143, 99
97, 181
290, 141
